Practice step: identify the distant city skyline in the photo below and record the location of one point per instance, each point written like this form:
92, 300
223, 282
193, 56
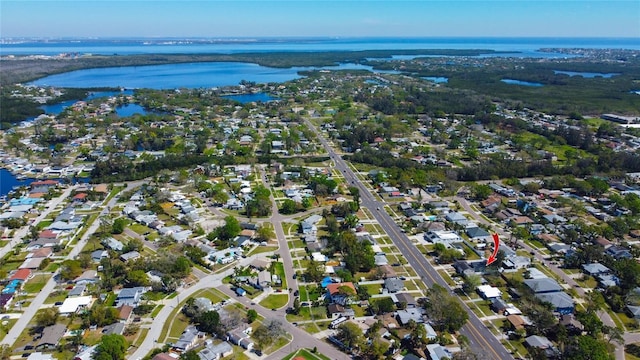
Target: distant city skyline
356, 18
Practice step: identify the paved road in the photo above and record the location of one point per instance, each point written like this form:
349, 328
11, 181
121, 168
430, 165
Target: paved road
38, 301
300, 338
604, 316
481, 340
276, 220
22, 232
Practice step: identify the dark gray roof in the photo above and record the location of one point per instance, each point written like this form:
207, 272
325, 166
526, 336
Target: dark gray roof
51, 335
538, 342
559, 300
545, 285
393, 284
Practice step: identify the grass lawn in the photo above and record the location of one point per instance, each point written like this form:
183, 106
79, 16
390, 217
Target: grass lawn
179, 323
55, 297
372, 289
303, 315
275, 301
238, 354
214, 295
156, 311
282, 341
296, 244
6, 326
262, 249
278, 269
141, 336
36, 284
410, 285
139, 229
304, 296
306, 354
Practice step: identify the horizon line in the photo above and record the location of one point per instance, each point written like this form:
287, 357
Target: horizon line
315, 37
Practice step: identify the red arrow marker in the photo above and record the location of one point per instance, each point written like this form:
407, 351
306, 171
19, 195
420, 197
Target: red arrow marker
496, 245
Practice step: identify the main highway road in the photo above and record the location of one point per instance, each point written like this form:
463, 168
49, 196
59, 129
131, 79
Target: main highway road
481, 339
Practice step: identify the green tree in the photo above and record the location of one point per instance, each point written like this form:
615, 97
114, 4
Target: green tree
252, 315
137, 278
70, 269
350, 335
471, 283
376, 350
381, 306
587, 347
481, 191
445, 310
118, 225
102, 315
296, 306
190, 355
314, 271
289, 207
47, 317
355, 192
265, 233
111, 347
209, 322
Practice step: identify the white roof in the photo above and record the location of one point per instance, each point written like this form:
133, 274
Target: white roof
71, 305
489, 291
317, 256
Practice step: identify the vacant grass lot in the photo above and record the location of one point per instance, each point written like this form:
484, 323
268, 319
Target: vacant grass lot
275, 301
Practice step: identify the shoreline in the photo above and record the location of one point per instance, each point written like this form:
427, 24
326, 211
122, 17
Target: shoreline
21, 69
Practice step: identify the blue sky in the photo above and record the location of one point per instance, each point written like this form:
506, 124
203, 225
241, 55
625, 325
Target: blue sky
239, 18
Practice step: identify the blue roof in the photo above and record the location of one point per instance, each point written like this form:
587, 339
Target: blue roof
240, 291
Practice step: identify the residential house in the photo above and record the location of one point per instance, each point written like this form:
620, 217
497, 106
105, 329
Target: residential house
393, 285
541, 342
87, 277
516, 262
21, 275
98, 255
5, 300
188, 339
131, 255
336, 295
560, 301
130, 296
466, 268
77, 290
544, 285
478, 234
113, 244
595, 269
124, 313
618, 252
405, 315
51, 336
406, 299
488, 292
438, 352
240, 336
336, 311
117, 328
215, 352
